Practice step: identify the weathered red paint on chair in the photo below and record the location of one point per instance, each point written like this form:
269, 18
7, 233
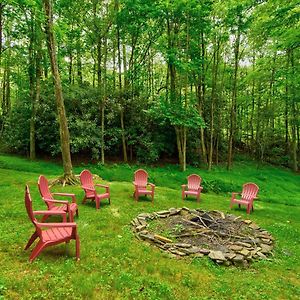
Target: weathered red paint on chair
193, 188
90, 192
53, 233
248, 195
140, 185
47, 196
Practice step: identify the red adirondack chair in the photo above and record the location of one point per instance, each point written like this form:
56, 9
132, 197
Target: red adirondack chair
47, 196
88, 186
247, 196
193, 187
49, 234
140, 185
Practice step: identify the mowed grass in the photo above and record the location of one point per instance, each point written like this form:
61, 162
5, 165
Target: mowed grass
115, 265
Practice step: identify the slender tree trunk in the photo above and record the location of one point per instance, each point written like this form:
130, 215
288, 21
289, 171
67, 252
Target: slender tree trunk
79, 63
252, 108
34, 106
201, 98
294, 119
6, 103
103, 101
1, 27
213, 101
232, 130
31, 75
124, 148
63, 125
70, 67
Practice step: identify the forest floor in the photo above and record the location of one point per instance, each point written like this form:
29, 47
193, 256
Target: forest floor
115, 265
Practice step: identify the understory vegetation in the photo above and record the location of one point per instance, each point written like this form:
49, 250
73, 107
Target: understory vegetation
114, 264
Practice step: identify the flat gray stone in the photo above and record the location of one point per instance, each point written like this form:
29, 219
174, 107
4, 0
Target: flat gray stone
235, 247
183, 245
254, 226
177, 252
204, 251
261, 255
266, 248
217, 255
248, 222
163, 212
230, 255
245, 252
244, 244
141, 227
238, 258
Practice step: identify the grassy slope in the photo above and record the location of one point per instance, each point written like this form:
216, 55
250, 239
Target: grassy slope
115, 265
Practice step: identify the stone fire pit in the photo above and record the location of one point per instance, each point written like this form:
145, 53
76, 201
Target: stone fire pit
225, 238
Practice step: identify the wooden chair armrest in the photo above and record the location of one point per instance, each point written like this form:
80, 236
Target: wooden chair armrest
134, 183
102, 185
151, 184
56, 201
48, 212
51, 213
66, 195
56, 225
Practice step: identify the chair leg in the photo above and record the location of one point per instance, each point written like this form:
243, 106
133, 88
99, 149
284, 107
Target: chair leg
77, 213
71, 216
248, 209
77, 241
97, 203
109, 201
84, 200
31, 240
36, 251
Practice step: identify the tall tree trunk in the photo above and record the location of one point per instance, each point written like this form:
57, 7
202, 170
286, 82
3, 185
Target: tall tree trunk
71, 67
6, 103
213, 100
201, 97
103, 101
79, 63
124, 148
294, 119
1, 27
63, 124
232, 130
34, 105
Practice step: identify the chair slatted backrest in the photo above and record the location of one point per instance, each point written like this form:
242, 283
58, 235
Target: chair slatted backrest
250, 191
194, 182
86, 179
44, 191
28, 205
141, 178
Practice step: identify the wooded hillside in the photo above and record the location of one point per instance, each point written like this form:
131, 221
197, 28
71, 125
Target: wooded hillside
146, 80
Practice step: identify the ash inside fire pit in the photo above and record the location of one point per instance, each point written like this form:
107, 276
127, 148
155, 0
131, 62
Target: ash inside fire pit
226, 239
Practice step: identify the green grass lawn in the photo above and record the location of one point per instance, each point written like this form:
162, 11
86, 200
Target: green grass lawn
115, 265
